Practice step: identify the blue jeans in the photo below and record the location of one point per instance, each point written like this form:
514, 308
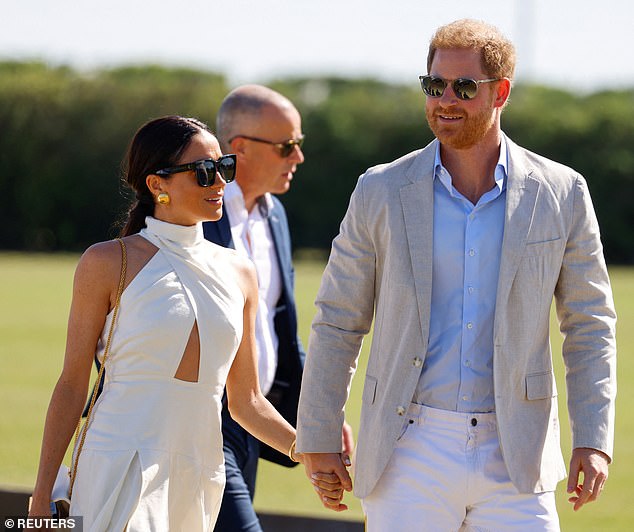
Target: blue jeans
241, 464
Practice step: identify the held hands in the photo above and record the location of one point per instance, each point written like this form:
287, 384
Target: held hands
329, 476
594, 465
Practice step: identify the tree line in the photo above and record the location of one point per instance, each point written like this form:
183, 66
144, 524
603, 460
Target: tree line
63, 135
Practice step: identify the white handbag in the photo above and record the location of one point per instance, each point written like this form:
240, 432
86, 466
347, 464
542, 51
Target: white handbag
60, 498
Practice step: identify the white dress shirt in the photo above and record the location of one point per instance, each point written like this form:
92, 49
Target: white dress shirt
252, 238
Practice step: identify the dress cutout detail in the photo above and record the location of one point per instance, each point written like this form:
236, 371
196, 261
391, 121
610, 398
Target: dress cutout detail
190, 361
152, 459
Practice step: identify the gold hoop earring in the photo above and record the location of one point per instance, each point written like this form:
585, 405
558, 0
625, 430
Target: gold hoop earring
163, 198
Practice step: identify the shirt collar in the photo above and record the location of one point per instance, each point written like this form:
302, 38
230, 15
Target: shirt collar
500, 173
234, 200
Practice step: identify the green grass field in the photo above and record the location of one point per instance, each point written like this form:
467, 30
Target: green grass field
35, 300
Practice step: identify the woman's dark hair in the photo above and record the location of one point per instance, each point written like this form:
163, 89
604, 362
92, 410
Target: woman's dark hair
157, 144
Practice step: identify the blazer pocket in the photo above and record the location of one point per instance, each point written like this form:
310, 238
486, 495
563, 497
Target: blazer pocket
542, 247
540, 386
369, 390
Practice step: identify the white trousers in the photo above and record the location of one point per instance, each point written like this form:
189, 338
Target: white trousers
447, 474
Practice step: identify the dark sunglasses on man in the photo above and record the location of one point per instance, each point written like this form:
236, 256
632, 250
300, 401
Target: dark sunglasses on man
284, 149
206, 169
463, 88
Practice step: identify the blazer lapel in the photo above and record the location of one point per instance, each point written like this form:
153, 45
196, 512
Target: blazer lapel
280, 250
417, 201
521, 197
219, 232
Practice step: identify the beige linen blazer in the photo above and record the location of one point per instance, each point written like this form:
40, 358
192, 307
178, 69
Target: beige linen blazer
380, 268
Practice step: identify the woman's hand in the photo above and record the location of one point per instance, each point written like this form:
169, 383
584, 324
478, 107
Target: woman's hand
329, 476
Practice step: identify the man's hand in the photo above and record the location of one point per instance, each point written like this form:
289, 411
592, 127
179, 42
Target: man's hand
594, 465
329, 476
347, 440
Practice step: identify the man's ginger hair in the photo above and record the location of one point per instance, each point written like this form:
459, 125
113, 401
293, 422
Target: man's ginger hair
497, 52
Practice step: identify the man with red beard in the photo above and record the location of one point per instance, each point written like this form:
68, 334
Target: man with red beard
456, 251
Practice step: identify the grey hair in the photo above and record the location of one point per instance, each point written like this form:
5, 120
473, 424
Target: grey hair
241, 108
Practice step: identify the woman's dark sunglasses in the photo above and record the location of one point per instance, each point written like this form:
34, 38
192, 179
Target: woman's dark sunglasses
206, 169
283, 148
463, 88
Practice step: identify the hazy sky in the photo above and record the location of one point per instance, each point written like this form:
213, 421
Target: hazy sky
567, 43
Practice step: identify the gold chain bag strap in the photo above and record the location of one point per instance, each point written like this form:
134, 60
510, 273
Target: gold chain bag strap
106, 352
63, 490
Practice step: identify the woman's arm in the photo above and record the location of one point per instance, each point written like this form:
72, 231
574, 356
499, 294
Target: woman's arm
247, 404
94, 290
252, 410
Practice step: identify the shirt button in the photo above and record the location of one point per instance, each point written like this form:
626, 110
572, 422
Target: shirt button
400, 410
418, 362
471, 289
471, 252
465, 397
474, 422
467, 363
469, 325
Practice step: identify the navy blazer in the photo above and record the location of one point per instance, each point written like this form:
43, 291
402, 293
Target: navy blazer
284, 394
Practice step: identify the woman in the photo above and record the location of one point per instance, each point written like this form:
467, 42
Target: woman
152, 458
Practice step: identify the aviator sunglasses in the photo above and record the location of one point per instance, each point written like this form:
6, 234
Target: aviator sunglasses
206, 169
463, 88
283, 148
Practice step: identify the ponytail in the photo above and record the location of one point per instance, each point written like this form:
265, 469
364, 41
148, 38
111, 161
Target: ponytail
136, 215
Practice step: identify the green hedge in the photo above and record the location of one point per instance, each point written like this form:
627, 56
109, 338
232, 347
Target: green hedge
63, 134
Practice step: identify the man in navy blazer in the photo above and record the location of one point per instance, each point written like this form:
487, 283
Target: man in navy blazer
263, 129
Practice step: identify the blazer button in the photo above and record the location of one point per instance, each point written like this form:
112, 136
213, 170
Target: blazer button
400, 410
418, 362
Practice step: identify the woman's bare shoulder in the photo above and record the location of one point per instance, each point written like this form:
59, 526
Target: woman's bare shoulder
98, 270
100, 257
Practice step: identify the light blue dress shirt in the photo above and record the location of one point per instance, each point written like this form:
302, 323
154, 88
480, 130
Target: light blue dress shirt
458, 370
